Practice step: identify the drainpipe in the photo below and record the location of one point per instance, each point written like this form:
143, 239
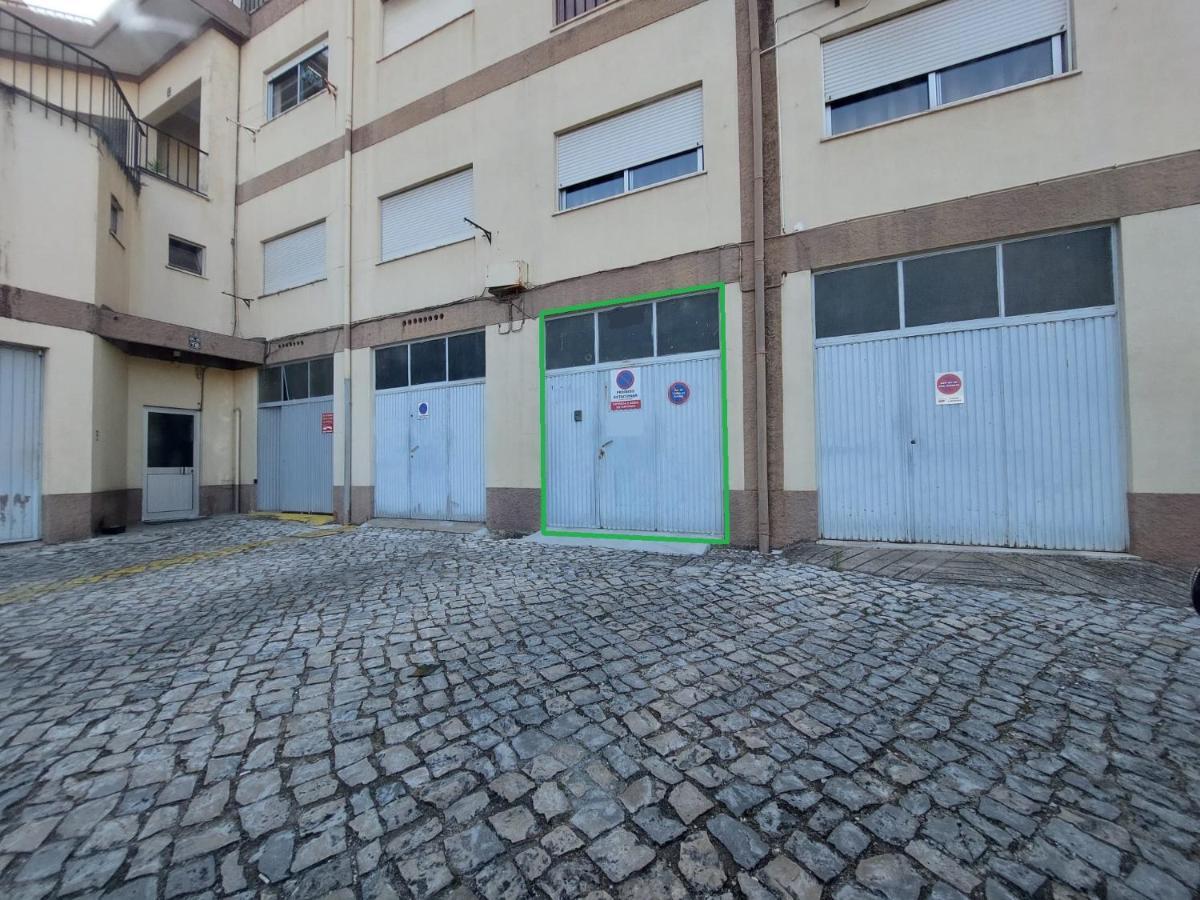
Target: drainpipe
237, 459
760, 283
347, 95
233, 284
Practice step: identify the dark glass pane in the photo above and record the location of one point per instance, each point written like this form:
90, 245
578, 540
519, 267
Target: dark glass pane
591, 191
688, 325
184, 256
466, 356
857, 301
951, 287
391, 368
428, 361
570, 341
665, 169
313, 73
1000, 70
295, 381
1063, 271
169, 441
626, 332
283, 92
270, 385
879, 105
320, 377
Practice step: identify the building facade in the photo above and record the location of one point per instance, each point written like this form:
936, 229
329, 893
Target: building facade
721, 270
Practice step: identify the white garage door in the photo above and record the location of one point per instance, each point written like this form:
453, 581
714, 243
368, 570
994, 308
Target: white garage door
974, 397
295, 437
429, 430
20, 444
633, 419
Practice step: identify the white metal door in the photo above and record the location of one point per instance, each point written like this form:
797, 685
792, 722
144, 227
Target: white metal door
429, 452
20, 444
653, 467
1032, 458
295, 456
171, 484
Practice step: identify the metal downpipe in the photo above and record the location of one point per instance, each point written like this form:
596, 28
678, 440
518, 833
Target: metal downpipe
760, 281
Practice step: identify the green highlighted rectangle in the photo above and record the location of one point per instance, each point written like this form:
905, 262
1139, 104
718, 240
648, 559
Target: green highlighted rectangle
639, 536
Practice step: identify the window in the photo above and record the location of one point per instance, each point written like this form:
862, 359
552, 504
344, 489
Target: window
407, 21
940, 54
114, 217
565, 10
658, 142
185, 256
1041, 275
689, 324
430, 215
306, 380
293, 83
294, 259
460, 357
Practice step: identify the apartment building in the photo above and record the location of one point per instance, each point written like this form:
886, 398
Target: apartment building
733, 271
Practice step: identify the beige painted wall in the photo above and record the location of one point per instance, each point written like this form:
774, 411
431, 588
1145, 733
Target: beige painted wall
512, 404
799, 397
1137, 75
1161, 271
67, 372
735, 374
110, 426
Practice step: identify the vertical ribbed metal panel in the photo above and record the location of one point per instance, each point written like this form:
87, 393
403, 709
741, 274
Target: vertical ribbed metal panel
688, 476
20, 444
571, 449
627, 482
933, 38
429, 469
392, 499
306, 458
1065, 450
958, 490
862, 413
465, 456
269, 467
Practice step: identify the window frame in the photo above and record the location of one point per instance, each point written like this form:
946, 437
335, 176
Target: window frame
281, 367
201, 254
1060, 48
116, 215
445, 339
655, 355
559, 23
296, 62
1003, 319
626, 190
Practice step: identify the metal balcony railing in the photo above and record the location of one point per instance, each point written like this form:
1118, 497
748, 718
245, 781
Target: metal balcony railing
166, 156
64, 81
252, 5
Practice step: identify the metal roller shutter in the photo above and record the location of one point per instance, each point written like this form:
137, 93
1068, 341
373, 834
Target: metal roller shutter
933, 38
294, 259
431, 215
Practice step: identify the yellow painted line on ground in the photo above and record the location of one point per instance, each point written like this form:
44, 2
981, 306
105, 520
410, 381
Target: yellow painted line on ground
41, 589
302, 518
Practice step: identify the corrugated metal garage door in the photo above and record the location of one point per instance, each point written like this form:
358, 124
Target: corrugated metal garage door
295, 439
1033, 456
20, 444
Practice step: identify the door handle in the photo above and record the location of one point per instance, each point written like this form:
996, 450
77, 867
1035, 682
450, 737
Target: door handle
414, 449
602, 448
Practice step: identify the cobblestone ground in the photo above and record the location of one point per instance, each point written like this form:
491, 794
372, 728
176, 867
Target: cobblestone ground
264, 712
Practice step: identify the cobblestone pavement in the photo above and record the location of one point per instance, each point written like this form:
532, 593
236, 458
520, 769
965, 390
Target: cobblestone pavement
1095, 575
379, 713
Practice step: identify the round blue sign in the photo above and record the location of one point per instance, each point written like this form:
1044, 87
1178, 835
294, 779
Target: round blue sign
625, 379
423, 408
679, 393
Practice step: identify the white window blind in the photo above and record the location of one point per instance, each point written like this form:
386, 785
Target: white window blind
648, 133
933, 38
405, 21
431, 215
294, 259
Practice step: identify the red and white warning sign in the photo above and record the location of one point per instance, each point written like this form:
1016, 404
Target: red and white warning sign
326, 423
624, 389
948, 388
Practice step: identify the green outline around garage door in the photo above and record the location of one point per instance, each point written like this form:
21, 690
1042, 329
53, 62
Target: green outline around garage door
640, 298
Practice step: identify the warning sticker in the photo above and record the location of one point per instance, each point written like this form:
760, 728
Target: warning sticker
326, 423
423, 409
624, 389
948, 388
679, 393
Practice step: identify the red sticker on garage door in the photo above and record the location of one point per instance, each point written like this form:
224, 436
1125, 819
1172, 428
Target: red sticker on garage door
326, 423
949, 388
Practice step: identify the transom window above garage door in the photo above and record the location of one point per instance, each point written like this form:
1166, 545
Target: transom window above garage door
296, 381
460, 357
1030, 276
634, 331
